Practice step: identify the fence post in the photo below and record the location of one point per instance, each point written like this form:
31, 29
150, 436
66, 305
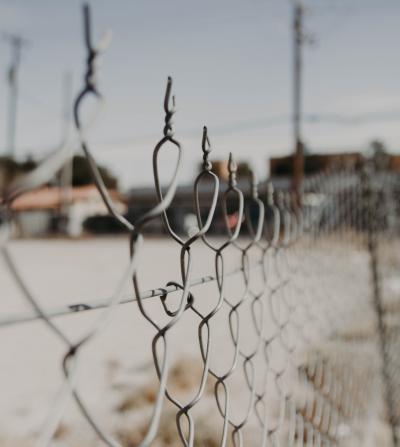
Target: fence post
372, 212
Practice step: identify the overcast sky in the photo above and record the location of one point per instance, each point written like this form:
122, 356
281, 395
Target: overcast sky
231, 65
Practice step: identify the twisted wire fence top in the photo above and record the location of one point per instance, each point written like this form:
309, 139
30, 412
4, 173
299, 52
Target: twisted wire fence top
282, 354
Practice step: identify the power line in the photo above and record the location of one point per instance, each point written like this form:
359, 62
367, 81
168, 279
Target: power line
257, 124
262, 123
16, 43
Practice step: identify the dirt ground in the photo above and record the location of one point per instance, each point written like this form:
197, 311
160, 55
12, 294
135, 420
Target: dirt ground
117, 378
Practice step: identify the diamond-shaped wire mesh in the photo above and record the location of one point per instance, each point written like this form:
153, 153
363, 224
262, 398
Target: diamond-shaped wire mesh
292, 337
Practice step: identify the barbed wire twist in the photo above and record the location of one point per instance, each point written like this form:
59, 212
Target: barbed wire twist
297, 389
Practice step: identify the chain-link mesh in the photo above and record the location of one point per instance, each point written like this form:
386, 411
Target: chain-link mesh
294, 345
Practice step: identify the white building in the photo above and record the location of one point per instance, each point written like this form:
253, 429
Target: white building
36, 211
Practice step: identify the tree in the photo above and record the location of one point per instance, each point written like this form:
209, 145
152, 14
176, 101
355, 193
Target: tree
83, 176
10, 169
379, 154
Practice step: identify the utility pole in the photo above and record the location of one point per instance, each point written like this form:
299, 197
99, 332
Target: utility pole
16, 42
66, 171
298, 155
66, 113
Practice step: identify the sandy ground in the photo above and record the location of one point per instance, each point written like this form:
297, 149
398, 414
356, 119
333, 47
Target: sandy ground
117, 377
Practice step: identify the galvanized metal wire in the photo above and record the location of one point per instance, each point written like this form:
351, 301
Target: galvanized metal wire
306, 378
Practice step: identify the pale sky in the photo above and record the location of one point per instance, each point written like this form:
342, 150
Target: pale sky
231, 65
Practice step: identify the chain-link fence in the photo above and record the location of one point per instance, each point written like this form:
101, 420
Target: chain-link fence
290, 340
381, 215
